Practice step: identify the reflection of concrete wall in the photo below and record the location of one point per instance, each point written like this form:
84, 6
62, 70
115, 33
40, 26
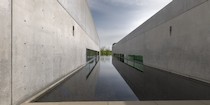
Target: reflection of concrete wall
185, 51
5, 52
44, 48
154, 84
83, 88
76, 88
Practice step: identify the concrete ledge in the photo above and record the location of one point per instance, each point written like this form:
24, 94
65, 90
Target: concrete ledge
68, 103
204, 102
53, 85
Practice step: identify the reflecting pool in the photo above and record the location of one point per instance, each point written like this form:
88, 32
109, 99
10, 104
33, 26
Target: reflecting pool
102, 83
155, 84
110, 79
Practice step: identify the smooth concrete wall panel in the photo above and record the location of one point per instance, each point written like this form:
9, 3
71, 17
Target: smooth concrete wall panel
5, 52
76, 9
171, 11
79, 10
133, 47
45, 48
185, 51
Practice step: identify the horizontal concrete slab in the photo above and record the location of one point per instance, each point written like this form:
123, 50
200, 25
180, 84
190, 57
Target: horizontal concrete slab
132, 103
69, 103
179, 103
193, 102
206, 102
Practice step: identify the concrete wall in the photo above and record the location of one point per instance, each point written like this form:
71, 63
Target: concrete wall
79, 10
44, 47
185, 51
5, 52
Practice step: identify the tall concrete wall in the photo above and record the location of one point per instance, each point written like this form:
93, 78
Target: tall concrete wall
5, 52
44, 48
79, 10
185, 50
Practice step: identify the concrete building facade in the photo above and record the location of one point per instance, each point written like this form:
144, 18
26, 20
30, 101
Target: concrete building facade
41, 41
176, 39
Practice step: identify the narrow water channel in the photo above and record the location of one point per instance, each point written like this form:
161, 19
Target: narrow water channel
103, 83
113, 80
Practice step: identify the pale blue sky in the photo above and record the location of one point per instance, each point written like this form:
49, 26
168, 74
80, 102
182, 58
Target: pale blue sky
115, 19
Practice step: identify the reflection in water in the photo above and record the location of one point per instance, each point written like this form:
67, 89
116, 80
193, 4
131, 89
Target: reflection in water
111, 86
103, 83
106, 59
154, 84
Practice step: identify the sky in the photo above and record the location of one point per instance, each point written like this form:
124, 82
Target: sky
114, 19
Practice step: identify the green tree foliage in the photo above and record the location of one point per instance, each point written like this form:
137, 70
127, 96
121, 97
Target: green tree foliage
105, 52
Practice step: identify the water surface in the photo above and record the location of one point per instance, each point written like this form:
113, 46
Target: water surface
106, 83
102, 83
155, 84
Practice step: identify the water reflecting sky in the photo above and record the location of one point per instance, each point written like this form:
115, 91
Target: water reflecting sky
103, 84
106, 83
110, 84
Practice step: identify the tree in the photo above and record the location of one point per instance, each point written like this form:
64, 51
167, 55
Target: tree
105, 52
